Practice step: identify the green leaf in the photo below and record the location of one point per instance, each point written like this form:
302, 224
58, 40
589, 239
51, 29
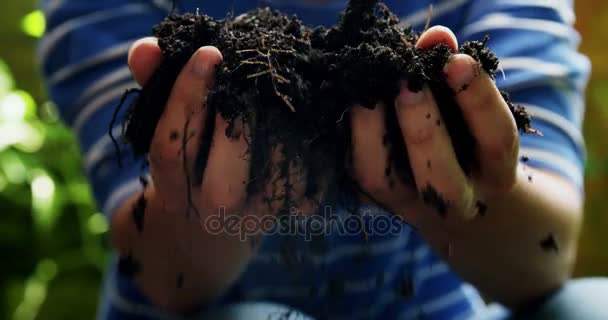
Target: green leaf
34, 24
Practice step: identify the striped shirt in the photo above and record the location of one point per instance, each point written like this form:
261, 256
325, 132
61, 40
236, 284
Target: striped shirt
83, 57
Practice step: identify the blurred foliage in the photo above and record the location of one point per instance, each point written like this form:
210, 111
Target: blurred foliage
592, 21
52, 239
51, 236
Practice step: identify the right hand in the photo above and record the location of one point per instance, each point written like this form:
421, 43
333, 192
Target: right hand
174, 246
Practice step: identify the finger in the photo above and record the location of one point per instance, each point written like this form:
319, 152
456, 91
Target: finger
369, 149
489, 119
227, 171
180, 126
438, 35
144, 58
372, 168
439, 178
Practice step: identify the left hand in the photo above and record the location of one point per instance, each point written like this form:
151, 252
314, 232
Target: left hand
440, 182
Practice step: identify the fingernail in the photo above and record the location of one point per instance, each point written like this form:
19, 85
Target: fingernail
408, 97
202, 66
205, 61
460, 71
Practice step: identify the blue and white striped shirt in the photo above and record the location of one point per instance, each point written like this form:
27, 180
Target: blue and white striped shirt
83, 56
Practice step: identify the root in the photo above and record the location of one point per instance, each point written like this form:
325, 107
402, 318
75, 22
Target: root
185, 139
173, 7
124, 97
429, 16
274, 74
342, 115
205, 146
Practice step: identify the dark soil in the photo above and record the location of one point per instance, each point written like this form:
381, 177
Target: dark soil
128, 266
434, 200
294, 86
138, 213
549, 244
482, 208
179, 283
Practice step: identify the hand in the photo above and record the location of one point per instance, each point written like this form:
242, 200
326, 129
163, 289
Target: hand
183, 264
440, 182
501, 252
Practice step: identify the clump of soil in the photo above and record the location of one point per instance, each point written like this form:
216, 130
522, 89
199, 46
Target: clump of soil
294, 86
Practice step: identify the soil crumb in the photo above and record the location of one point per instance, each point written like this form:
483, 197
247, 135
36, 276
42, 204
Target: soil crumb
128, 266
435, 200
482, 208
139, 213
549, 244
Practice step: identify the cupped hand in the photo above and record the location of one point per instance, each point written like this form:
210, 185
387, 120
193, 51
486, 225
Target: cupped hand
440, 182
177, 139
185, 257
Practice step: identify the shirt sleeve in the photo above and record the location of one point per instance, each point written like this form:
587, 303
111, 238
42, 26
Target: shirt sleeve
542, 70
83, 56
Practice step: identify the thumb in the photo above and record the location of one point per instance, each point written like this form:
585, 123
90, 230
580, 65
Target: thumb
438, 35
144, 58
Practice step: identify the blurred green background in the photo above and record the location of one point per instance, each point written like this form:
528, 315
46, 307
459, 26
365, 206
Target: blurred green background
53, 239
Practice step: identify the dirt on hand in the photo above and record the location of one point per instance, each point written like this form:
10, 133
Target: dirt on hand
294, 86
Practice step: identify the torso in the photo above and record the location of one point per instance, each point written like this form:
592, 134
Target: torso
386, 276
